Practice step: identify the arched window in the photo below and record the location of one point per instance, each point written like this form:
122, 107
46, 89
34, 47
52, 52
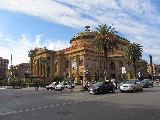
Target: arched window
129, 64
112, 66
120, 64
80, 62
67, 64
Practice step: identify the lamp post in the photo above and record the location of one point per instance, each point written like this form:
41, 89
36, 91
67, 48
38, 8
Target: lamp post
86, 73
105, 75
151, 67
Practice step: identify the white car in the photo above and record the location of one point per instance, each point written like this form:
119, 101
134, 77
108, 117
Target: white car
69, 85
131, 85
51, 86
60, 86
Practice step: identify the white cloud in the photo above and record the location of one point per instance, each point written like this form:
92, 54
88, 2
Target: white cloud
58, 45
19, 49
156, 58
137, 20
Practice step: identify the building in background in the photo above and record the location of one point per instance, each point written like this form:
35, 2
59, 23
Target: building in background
23, 70
4, 72
158, 70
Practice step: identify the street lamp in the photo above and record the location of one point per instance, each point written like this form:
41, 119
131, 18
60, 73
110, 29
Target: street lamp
151, 67
86, 73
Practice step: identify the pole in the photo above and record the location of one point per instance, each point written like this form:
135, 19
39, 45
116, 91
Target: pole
151, 67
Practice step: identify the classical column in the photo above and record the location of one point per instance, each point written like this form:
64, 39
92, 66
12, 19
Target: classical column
37, 66
40, 69
77, 71
51, 66
70, 67
84, 66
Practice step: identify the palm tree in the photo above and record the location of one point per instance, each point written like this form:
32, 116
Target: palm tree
31, 55
134, 52
105, 40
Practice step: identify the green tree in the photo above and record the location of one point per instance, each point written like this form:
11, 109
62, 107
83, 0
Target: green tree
133, 52
105, 40
31, 55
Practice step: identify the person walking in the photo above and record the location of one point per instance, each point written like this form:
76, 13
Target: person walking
37, 85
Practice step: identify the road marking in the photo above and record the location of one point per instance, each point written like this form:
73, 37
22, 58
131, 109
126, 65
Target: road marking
57, 104
26, 110
39, 108
45, 107
69, 103
14, 112
33, 109
63, 103
21, 111
51, 105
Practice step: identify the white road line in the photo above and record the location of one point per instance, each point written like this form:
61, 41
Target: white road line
51, 105
27, 110
69, 103
57, 104
39, 108
21, 111
63, 103
45, 107
14, 112
33, 109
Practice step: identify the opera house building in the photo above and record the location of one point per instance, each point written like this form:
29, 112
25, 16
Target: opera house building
81, 61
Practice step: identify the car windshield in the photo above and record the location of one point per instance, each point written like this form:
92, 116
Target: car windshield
143, 81
129, 82
61, 83
97, 84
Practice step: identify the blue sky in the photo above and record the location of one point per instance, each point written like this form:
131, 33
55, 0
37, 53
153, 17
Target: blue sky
26, 24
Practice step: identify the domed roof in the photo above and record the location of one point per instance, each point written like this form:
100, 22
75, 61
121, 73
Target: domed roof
85, 33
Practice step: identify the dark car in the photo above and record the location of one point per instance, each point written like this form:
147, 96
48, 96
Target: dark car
101, 87
147, 83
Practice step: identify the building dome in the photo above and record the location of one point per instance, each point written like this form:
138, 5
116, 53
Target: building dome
85, 34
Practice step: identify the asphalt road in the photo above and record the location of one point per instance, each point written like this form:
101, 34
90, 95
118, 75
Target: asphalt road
74, 105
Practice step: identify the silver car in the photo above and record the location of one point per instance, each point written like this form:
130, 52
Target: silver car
131, 85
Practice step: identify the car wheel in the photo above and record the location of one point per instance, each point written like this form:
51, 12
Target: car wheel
121, 91
141, 88
113, 90
94, 92
61, 88
47, 89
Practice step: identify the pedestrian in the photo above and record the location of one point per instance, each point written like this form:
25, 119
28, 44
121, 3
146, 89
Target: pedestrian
37, 85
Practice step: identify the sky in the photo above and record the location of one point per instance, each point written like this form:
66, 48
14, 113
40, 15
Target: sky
27, 24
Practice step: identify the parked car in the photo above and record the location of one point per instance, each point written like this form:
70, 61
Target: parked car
119, 83
101, 87
51, 86
147, 83
69, 85
60, 86
157, 81
132, 85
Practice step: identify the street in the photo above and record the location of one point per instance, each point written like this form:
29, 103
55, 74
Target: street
19, 104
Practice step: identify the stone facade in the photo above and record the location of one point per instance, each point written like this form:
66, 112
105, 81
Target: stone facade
22, 70
83, 62
4, 68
